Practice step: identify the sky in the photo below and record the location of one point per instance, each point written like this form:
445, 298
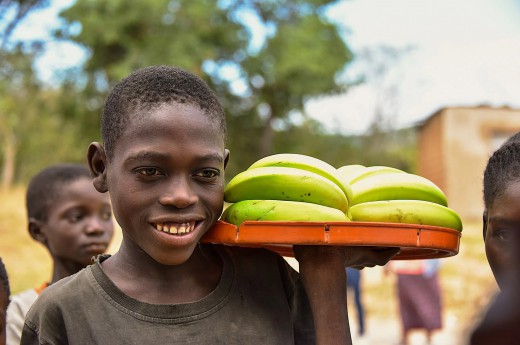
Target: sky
460, 53
464, 53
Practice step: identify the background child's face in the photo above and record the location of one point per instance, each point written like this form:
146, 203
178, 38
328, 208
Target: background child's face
502, 234
166, 181
79, 224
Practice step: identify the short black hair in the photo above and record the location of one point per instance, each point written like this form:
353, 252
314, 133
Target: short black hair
151, 87
503, 167
513, 139
5, 279
46, 186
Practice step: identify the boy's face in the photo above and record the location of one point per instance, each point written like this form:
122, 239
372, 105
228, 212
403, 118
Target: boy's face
502, 234
166, 181
79, 224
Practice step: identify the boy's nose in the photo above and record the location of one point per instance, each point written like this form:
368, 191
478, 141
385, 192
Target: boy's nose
179, 194
96, 225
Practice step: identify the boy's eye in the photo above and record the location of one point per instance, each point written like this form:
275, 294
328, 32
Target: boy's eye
504, 235
75, 217
106, 215
208, 173
148, 171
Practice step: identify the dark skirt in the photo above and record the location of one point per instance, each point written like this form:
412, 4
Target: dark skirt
419, 301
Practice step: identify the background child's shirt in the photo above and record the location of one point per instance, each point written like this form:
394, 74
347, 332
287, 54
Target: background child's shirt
18, 308
259, 300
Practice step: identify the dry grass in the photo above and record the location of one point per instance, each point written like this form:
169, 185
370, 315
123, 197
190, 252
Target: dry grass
27, 262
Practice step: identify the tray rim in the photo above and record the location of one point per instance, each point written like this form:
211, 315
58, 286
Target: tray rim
417, 241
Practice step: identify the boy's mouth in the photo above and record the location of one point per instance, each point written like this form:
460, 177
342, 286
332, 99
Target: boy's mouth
176, 228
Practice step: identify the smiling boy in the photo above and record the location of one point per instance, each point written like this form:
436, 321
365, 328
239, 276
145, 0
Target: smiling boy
162, 159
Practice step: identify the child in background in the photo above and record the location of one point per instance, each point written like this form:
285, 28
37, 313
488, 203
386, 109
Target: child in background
5, 293
72, 220
501, 182
162, 160
501, 225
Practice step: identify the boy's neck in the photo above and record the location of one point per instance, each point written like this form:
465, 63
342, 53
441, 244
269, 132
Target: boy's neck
62, 269
163, 284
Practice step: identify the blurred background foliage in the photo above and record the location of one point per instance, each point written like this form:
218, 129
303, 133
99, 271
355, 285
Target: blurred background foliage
263, 84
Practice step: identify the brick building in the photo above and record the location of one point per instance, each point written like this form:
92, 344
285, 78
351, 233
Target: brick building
454, 145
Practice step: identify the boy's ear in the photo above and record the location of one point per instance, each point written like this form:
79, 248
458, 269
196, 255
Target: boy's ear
97, 164
36, 231
484, 225
226, 157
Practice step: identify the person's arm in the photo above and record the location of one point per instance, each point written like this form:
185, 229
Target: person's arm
322, 271
29, 337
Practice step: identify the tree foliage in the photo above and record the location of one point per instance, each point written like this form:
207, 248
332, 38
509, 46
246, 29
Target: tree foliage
265, 59
12, 13
301, 55
17, 82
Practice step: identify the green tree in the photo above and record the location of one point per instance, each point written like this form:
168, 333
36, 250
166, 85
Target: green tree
12, 14
18, 103
34, 128
301, 59
17, 82
300, 56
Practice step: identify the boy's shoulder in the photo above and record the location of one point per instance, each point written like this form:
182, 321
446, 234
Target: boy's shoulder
245, 250
256, 254
64, 289
258, 261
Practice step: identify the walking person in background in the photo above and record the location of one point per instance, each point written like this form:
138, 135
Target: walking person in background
419, 296
354, 285
68, 216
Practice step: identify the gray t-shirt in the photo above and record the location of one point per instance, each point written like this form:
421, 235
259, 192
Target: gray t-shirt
259, 300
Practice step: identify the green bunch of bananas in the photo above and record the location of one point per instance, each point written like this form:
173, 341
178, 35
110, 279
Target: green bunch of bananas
386, 194
287, 187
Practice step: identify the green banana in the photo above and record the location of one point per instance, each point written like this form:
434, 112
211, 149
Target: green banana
396, 186
371, 171
407, 211
347, 172
282, 183
309, 163
280, 210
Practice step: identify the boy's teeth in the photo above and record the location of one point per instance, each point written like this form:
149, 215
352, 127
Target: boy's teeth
184, 228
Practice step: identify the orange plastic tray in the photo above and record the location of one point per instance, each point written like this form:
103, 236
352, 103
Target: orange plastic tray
415, 241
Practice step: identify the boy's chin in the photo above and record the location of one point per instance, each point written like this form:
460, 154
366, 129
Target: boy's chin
174, 258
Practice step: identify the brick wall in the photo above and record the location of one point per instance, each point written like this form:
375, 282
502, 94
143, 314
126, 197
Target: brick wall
430, 151
454, 147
